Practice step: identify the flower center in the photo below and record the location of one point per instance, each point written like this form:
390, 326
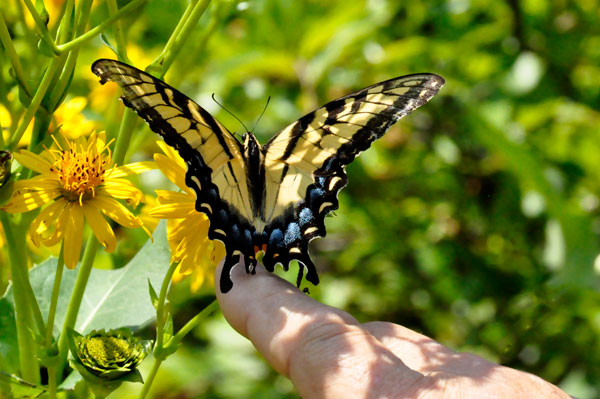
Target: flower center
108, 351
80, 172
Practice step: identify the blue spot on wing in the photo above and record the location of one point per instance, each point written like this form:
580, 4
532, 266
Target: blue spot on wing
305, 217
315, 194
276, 237
292, 233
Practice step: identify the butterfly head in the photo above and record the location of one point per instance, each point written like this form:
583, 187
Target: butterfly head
251, 146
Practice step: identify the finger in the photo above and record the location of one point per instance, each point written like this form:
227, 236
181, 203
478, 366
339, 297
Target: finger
324, 351
422, 353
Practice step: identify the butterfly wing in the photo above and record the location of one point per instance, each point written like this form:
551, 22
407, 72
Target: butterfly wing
216, 169
305, 163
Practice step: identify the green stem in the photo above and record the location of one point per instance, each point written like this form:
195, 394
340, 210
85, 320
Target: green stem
124, 136
11, 54
179, 36
27, 346
160, 308
55, 291
58, 93
92, 33
190, 325
75, 301
23, 271
150, 378
119, 35
41, 123
33, 305
52, 384
158, 61
65, 26
37, 99
41, 25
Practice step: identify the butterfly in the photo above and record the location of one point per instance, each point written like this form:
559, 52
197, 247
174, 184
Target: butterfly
272, 197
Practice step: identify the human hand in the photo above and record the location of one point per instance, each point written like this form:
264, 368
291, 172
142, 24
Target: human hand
327, 353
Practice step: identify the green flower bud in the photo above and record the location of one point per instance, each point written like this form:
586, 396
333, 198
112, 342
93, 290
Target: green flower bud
108, 355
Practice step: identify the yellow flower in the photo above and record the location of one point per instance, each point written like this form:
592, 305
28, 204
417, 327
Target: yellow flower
76, 183
70, 119
187, 228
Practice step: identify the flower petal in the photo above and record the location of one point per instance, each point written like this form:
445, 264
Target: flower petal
167, 196
33, 161
100, 227
131, 169
171, 153
172, 171
122, 189
26, 198
114, 210
44, 222
172, 211
59, 229
73, 234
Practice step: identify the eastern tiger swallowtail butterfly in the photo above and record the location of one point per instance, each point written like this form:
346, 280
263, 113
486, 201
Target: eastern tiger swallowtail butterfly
273, 197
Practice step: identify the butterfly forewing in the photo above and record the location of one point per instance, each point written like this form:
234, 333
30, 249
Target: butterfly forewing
200, 139
318, 145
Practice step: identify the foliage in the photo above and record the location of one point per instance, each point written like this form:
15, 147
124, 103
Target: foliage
474, 220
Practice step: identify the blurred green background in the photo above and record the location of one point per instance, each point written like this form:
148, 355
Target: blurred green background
475, 220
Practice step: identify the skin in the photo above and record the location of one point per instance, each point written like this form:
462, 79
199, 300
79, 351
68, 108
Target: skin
327, 353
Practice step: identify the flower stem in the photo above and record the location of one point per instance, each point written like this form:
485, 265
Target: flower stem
83, 11
41, 27
75, 301
52, 384
27, 347
160, 308
37, 99
181, 33
55, 291
119, 34
124, 136
190, 325
150, 378
11, 53
92, 33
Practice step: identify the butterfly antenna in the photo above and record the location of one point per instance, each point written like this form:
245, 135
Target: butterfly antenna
261, 114
229, 112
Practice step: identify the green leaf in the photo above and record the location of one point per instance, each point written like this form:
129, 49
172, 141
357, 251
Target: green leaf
12, 386
113, 298
105, 40
168, 328
153, 295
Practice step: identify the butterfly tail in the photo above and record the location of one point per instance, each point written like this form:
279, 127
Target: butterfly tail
225, 280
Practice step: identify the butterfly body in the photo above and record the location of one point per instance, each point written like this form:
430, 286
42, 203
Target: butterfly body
274, 197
